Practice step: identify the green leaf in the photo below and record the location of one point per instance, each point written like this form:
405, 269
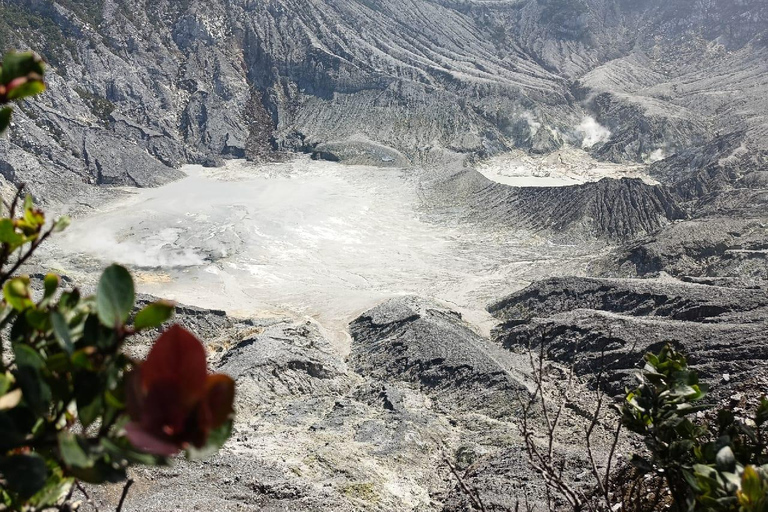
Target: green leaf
24, 474
5, 118
69, 300
762, 411
121, 451
31, 87
691, 480
100, 472
8, 234
57, 362
72, 453
18, 64
81, 358
10, 400
153, 315
7, 314
14, 428
751, 487
88, 396
115, 296
61, 332
6, 381
56, 488
115, 399
704, 471
61, 223
216, 440
38, 319
16, 293
36, 391
50, 285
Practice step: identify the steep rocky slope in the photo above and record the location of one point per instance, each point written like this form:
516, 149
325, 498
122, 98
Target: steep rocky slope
616, 210
138, 87
316, 433
723, 190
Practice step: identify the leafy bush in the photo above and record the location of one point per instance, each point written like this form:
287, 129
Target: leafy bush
73, 405
100, 107
698, 457
719, 465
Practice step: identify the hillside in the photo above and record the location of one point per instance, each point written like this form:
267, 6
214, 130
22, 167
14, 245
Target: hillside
140, 87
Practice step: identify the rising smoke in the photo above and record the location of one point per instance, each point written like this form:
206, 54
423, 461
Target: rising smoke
592, 132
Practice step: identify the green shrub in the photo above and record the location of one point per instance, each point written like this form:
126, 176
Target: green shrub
717, 465
73, 405
100, 107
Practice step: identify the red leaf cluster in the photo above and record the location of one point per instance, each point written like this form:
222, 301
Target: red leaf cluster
172, 400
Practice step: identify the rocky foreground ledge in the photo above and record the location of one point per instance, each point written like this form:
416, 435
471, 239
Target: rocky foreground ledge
372, 432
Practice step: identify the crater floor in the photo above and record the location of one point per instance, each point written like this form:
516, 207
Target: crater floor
307, 239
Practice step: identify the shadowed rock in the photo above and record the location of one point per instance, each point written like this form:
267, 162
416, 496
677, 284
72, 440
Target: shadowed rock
417, 341
610, 324
608, 209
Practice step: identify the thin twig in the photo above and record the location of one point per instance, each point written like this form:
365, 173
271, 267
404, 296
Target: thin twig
6, 248
23, 258
127, 486
65, 504
12, 209
474, 496
87, 497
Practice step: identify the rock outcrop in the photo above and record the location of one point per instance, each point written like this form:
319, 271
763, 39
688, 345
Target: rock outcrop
608, 324
615, 210
412, 340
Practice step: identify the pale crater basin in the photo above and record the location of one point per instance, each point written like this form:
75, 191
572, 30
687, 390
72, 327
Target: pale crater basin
567, 166
309, 239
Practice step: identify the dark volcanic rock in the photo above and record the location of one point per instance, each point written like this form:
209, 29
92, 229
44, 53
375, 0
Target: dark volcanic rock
414, 340
608, 209
726, 163
723, 187
413, 343
611, 323
718, 246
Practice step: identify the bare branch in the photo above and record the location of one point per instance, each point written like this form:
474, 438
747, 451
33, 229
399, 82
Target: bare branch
473, 495
127, 486
87, 497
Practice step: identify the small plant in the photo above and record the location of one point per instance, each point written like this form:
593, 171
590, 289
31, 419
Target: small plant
21, 76
720, 465
698, 458
73, 405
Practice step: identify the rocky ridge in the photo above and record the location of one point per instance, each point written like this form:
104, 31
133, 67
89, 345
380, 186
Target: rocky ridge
419, 82
315, 432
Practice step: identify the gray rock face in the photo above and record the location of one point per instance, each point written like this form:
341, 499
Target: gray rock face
610, 209
611, 323
137, 89
722, 189
313, 433
710, 247
724, 165
412, 340
415, 343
